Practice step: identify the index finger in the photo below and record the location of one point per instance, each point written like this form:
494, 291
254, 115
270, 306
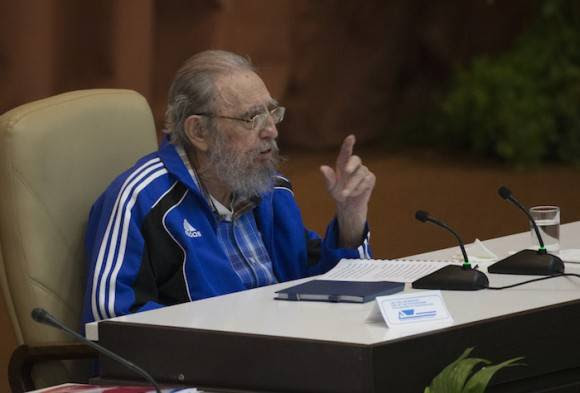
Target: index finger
345, 152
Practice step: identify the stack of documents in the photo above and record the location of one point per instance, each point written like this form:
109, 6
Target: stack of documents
396, 270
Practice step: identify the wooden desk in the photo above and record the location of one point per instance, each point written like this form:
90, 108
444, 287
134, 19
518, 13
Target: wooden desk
249, 341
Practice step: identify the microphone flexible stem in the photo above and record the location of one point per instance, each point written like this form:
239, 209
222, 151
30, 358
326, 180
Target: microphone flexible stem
461, 244
51, 321
527, 213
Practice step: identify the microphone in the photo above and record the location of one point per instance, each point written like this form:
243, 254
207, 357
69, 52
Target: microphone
40, 315
451, 277
527, 262
423, 216
506, 194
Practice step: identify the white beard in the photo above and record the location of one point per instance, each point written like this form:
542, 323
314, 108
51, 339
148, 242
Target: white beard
242, 173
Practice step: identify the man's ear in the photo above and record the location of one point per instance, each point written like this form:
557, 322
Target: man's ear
196, 132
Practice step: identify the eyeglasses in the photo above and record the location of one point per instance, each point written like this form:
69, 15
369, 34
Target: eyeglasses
256, 122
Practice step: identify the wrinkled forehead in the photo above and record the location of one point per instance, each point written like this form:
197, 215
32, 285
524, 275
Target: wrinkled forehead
242, 92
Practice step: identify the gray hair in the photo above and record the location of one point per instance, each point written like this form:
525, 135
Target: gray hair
193, 88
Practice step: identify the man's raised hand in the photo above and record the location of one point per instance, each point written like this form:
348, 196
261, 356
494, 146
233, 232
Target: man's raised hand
350, 184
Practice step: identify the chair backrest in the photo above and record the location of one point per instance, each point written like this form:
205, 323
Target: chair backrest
56, 156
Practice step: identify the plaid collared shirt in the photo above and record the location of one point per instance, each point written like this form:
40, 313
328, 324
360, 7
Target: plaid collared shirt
239, 236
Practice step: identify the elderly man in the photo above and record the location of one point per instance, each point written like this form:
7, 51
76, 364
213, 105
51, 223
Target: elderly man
208, 213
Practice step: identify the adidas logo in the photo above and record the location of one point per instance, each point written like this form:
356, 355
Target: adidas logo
190, 231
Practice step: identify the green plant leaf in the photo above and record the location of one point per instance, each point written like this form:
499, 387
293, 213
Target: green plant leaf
454, 376
520, 106
478, 382
458, 377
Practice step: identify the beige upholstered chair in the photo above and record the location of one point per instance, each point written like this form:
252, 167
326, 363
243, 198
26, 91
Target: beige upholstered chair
56, 156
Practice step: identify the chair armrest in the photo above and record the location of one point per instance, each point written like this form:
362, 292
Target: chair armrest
25, 357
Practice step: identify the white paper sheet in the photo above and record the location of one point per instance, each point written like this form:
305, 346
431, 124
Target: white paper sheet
382, 270
571, 255
477, 252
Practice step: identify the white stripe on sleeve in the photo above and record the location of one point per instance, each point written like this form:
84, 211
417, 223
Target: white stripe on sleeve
97, 315
124, 234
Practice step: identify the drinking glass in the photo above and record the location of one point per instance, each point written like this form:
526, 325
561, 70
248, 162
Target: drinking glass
547, 219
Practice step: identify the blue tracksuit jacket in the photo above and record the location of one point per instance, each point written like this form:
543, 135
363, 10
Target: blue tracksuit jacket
151, 241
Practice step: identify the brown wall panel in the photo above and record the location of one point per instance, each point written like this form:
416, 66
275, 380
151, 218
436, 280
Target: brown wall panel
83, 44
133, 44
28, 55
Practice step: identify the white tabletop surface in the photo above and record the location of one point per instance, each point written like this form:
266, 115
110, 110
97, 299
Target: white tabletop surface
256, 312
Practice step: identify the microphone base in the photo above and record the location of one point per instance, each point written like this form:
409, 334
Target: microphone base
455, 278
528, 263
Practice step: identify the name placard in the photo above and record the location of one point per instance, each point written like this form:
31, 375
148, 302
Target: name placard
414, 309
